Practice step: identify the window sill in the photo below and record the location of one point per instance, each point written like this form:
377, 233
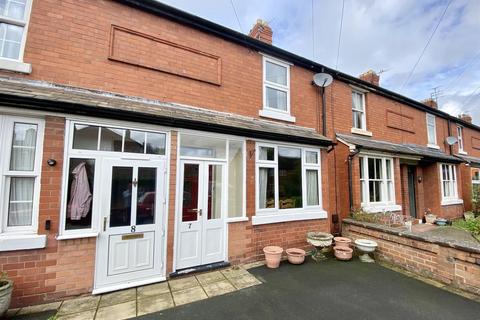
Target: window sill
22, 242
361, 131
462, 152
433, 146
382, 208
451, 202
277, 217
77, 236
266, 113
238, 219
16, 66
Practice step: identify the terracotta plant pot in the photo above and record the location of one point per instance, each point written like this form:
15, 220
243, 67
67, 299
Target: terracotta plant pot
273, 255
343, 253
342, 242
295, 256
430, 218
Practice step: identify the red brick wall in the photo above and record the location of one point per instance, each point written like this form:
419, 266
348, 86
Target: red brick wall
47, 274
448, 265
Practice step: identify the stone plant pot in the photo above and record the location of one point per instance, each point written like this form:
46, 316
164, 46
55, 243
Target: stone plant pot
430, 218
342, 242
273, 255
6, 289
343, 253
295, 256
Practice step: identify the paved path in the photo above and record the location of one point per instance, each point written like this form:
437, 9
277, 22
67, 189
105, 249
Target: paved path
331, 290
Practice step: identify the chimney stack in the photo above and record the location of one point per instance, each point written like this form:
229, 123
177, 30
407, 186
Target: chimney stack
465, 117
430, 102
370, 76
261, 31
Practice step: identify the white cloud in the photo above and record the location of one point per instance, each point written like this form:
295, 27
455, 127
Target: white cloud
377, 34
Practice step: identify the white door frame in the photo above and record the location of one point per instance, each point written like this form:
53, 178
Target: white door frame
158, 270
203, 163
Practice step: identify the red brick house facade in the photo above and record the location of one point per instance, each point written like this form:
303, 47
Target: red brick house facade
139, 141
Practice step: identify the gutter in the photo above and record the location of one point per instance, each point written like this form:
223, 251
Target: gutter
196, 22
350, 178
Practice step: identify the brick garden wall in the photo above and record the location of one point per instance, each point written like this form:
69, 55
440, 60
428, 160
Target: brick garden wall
455, 267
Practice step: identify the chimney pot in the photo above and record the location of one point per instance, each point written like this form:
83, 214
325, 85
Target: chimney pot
262, 31
430, 102
370, 76
465, 117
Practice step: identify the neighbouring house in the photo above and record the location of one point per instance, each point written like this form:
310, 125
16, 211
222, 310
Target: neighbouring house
139, 141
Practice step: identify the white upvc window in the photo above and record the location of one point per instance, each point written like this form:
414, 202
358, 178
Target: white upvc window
460, 139
448, 175
359, 118
20, 168
431, 131
276, 90
288, 183
14, 18
377, 187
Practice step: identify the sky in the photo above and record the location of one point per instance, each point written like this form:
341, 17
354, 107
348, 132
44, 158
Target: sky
387, 36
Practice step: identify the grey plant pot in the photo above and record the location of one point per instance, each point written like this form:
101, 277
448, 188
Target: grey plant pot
5, 297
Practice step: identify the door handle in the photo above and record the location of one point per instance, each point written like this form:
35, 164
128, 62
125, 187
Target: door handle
199, 211
104, 224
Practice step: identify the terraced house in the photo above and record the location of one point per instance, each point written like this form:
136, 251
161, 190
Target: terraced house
139, 141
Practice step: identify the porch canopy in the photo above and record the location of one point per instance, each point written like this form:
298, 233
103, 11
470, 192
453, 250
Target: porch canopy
37, 95
424, 153
472, 161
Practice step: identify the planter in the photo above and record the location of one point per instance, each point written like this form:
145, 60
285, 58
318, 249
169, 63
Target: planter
343, 253
430, 218
319, 240
273, 255
366, 246
441, 222
295, 256
5, 296
342, 242
469, 215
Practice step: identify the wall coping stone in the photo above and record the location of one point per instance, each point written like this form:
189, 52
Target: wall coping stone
460, 245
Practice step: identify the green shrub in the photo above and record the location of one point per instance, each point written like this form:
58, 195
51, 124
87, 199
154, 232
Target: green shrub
472, 226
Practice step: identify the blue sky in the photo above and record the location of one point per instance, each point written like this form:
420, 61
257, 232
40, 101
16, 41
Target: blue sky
377, 34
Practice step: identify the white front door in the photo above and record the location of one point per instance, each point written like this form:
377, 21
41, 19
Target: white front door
131, 241
201, 212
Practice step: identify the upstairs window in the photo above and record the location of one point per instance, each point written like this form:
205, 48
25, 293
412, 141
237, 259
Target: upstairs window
358, 110
14, 16
460, 139
431, 130
276, 90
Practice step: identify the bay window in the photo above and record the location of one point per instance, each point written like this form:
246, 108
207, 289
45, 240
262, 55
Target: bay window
20, 164
377, 187
448, 177
288, 182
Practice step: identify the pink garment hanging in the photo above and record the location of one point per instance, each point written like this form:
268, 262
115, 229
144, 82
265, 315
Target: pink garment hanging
80, 195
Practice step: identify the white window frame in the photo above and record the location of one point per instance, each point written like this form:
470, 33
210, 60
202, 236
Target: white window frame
384, 204
272, 112
18, 65
98, 156
461, 142
430, 143
453, 198
364, 112
274, 215
21, 237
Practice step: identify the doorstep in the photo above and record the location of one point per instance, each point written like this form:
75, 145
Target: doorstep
143, 300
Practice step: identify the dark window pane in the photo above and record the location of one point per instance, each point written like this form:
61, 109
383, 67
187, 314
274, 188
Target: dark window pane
85, 137
111, 139
121, 197
266, 187
371, 168
79, 197
361, 167
146, 194
267, 153
134, 141
155, 143
378, 169
190, 192
289, 178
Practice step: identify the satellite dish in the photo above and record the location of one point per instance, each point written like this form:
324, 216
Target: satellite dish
322, 79
451, 140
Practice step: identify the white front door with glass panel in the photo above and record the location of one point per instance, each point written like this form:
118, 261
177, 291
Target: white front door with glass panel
131, 239
201, 221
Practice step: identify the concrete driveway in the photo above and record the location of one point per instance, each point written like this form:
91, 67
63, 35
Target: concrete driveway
330, 290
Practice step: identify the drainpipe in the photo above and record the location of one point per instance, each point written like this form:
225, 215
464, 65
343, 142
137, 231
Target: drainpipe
450, 134
350, 182
324, 110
